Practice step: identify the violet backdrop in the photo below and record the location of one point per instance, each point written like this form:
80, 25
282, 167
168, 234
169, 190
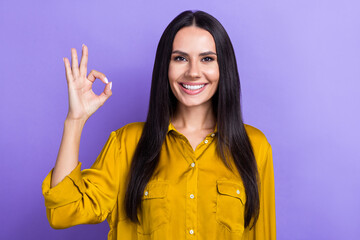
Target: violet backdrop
299, 65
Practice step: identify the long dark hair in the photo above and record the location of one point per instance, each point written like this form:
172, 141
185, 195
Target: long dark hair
233, 140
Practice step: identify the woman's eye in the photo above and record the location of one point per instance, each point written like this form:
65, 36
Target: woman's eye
208, 59
179, 58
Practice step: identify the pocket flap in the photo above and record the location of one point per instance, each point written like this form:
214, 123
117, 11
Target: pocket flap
155, 189
231, 189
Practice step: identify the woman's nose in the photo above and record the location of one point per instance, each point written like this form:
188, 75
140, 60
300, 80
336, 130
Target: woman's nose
194, 69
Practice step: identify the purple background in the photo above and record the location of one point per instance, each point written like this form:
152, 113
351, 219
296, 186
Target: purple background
299, 64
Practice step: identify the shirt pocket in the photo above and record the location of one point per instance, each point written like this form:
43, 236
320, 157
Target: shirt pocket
230, 207
155, 207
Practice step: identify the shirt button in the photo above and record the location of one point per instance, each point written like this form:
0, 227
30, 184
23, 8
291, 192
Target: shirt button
206, 141
146, 193
238, 191
191, 231
192, 164
213, 134
191, 196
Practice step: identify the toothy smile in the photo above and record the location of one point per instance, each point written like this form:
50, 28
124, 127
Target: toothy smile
193, 87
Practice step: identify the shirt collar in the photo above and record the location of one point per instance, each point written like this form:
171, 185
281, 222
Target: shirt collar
172, 128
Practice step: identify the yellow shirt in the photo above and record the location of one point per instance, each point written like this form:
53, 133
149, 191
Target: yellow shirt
191, 195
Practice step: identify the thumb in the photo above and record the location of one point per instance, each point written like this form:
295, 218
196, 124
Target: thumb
106, 93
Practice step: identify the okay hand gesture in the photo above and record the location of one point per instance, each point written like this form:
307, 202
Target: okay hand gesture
83, 102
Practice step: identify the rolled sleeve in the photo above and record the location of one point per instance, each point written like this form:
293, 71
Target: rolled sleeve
85, 196
68, 190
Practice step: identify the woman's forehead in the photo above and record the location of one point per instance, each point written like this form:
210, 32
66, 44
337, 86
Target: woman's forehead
194, 39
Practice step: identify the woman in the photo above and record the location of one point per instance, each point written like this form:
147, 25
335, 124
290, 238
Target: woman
193, 170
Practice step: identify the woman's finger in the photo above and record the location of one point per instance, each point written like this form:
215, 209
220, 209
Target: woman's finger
84, 61
75, 63
68, 72
106, 93
96, 74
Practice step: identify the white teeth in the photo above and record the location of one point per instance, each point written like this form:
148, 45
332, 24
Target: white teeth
193, 87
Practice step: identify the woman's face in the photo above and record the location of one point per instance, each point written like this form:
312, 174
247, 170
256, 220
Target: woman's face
193, 68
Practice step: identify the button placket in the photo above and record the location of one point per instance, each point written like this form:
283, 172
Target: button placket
205, 144
191, 201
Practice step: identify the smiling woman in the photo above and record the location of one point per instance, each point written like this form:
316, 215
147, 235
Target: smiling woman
193, 69
192, 170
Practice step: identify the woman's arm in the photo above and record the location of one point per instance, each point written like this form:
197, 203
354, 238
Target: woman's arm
73, 196
68, 155
87, 196
265, 227
83, 102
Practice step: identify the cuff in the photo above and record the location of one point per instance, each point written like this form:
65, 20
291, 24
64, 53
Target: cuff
69, 190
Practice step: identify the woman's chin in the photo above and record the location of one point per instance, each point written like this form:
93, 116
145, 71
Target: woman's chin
190, 104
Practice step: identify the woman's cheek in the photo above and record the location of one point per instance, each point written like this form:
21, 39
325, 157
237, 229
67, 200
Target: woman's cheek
173, 71
213, 75
175, 74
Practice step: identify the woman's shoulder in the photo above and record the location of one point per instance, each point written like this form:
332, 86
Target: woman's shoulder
131, 130
261, 147
257, 138
128, 136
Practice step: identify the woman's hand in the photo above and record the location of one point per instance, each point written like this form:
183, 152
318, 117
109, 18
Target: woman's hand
83, 102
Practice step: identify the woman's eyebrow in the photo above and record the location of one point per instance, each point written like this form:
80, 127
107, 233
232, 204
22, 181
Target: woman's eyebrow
201, 54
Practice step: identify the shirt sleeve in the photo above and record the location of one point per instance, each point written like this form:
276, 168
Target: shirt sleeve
88, 196
265, 227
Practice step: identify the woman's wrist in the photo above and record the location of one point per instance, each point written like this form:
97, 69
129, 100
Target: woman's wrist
77, 123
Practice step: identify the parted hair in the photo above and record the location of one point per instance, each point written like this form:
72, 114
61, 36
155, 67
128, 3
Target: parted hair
233, 141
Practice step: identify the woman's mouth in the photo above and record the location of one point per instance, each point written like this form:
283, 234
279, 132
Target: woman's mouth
192, 89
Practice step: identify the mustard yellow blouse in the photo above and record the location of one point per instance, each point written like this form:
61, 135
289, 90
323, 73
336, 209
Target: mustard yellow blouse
192, 195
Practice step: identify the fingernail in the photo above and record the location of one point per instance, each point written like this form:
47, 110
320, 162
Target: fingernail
106, 80
63, 59
83, 45
110, 85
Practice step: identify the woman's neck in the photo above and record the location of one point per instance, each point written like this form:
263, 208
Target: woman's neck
194, 118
